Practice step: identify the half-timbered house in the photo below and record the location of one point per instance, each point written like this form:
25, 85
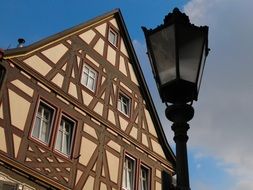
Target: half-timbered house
76, 113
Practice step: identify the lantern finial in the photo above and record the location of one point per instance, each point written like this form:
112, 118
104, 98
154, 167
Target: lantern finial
176, 16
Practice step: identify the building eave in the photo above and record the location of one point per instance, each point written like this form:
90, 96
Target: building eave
23, 51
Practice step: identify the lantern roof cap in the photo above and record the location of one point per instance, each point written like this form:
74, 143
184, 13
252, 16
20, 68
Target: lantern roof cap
176, 16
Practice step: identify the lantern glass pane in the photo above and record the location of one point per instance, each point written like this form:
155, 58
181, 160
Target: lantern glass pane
190, 47
203, 60
164, 52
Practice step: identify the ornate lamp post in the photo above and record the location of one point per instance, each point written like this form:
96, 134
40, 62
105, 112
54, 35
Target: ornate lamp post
177, 50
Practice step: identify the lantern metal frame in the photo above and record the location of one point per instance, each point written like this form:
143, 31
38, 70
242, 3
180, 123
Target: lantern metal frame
178, 89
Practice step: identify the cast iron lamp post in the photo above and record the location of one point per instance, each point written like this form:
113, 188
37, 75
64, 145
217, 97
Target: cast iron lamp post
177, 50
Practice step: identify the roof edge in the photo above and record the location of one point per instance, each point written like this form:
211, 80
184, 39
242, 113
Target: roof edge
146, 92
17, 52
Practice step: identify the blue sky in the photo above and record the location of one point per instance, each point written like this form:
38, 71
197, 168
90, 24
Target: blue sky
220, 151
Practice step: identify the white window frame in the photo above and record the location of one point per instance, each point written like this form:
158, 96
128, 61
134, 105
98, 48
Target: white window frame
42, 118
113, 37
124, 104
144, 180
129, 177
60, 134
87, 78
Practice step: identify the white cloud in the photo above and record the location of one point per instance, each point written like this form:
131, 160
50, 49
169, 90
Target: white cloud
202, 186
222, 125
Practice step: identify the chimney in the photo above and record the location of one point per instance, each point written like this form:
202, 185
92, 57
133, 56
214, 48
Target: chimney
21, 43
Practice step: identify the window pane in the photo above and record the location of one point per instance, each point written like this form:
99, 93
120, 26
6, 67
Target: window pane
112, 38
128, 174
124, 104
64, 136
89, 77
58, 141
144, 178
43, 122
36, 127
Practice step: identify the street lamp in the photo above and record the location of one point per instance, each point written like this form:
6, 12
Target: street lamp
177, 51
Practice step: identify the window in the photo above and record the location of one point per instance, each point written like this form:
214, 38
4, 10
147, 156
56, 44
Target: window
144, 178
9, 187
130, 179
113, 37
89, 77
65, 135
128, 174
54, 129
124, 104
8, 183
43, 123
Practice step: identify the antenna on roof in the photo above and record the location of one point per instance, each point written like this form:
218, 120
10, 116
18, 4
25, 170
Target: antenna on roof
21, 42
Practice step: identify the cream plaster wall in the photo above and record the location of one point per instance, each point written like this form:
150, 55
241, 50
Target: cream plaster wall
123, 123
58, 80
88, 129
87, 36
78, 60
92, 60
64, 67
114, 23
102, 29
55, 53
62, 99
26, 89
78, 175
126, 88
111, 55
3, 146
17, 141
133, 132
114, 145
1, 111
99, 108
132, 74
99, 47
157, 148
123, 48
158, 173
38, 64
144, 140
89, 183
73, 73
111, 116
122, 65
87, 149
80, 111
113, 165
43, 86
86, 98
17, 103
102, 186
158, 186
151, 127
72, 89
